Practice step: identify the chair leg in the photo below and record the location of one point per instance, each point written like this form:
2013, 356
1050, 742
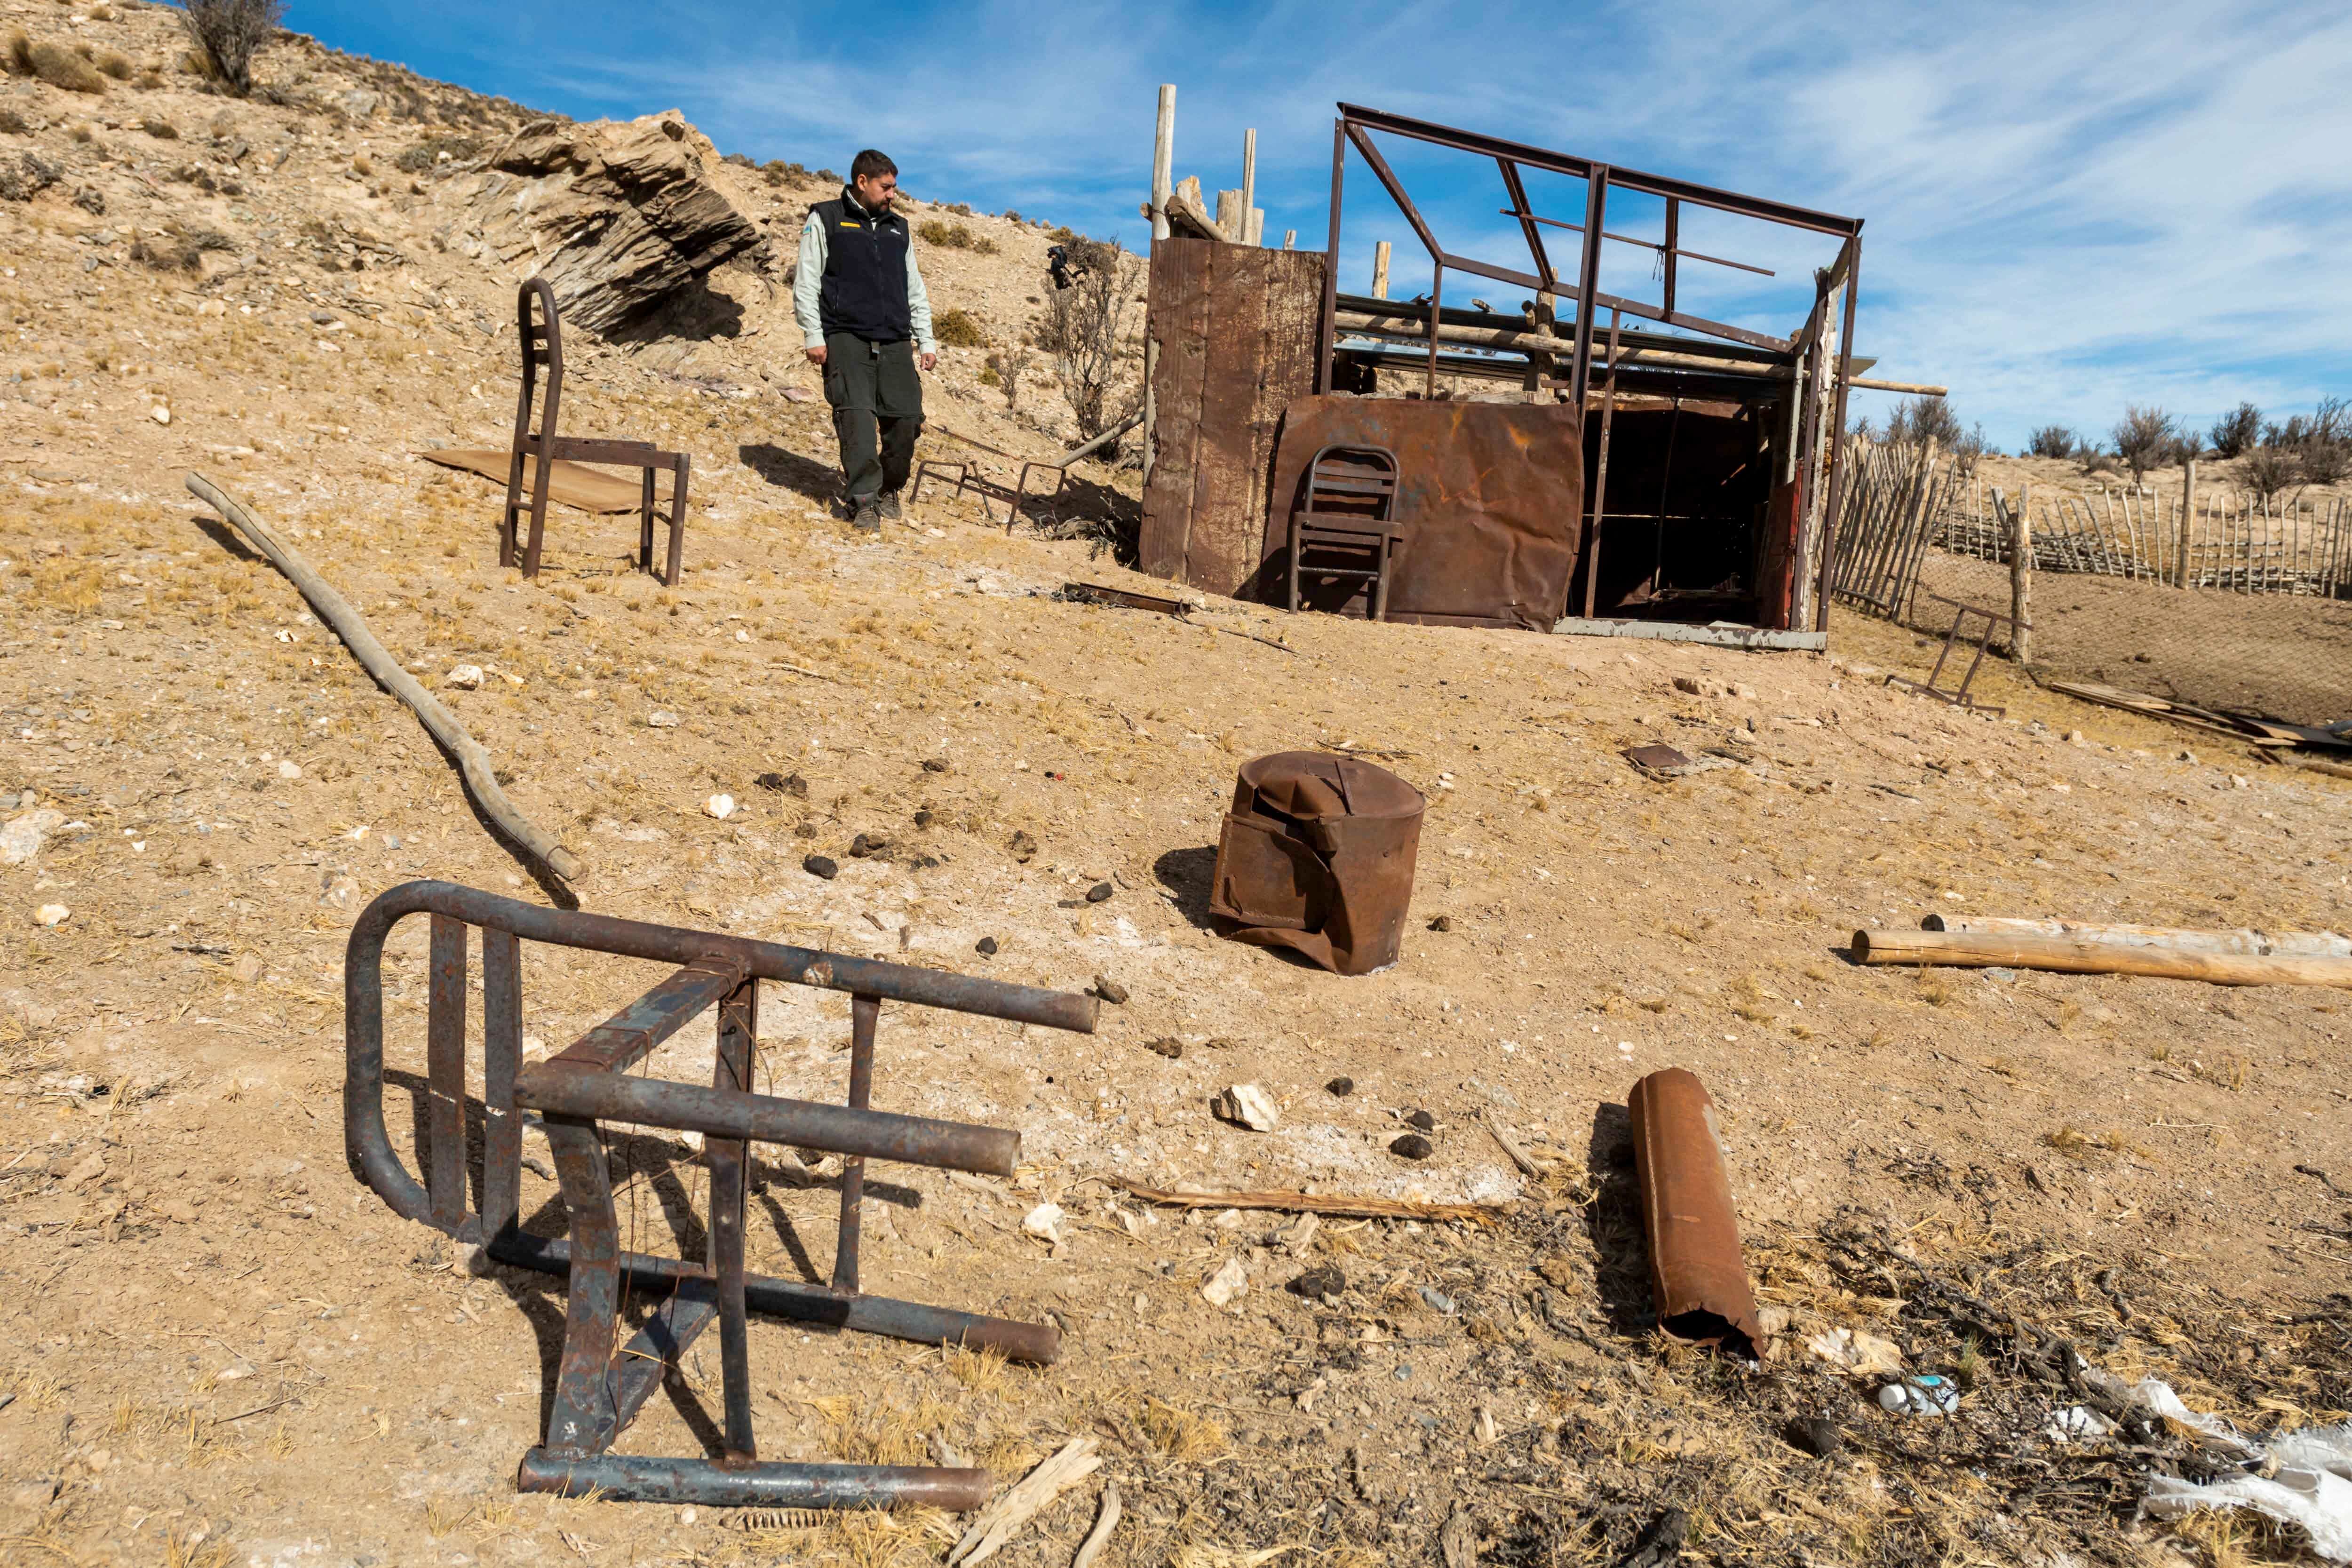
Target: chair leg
507, 518
645, 522
538, 515
1294, 565
677, 504
739, 1024
1380, 585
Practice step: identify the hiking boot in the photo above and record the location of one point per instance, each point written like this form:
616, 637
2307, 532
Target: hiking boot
867, 517
890, 505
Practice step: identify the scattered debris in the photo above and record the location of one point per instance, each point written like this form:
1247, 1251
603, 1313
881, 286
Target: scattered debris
1856, 1351
2300, 1478
1412, 1146
819, 865
1663, 762
1167, 1045
1925, 1393
867, 845
1020, 1502
1247, 1105
1110, 991
1227, 1283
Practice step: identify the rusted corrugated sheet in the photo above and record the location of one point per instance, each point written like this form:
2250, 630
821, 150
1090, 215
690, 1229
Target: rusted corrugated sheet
1490, 494
1236, 329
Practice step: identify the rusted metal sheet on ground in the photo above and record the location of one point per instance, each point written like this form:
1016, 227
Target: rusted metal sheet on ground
1697, 1268
1238, 330
1318, 856
1491, 496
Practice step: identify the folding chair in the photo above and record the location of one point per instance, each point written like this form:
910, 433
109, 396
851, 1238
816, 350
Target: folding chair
542, 344
1349, 512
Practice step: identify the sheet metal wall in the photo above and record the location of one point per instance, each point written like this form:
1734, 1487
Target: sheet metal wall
1238, 330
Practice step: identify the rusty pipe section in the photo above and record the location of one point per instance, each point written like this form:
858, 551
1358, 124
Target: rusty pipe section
558, 1089
629, 1477
1697, 1270
366, 1138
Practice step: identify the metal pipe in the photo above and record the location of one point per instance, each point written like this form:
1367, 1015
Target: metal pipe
1666, 249
738, 1026
863, 1012
554, 1090
1837, 433
1596, 208
1329, 326
1600, 484
1437, 308
1697, 1269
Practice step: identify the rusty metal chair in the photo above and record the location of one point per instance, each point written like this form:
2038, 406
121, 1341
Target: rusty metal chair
542, 344
1349, 511
600, 1385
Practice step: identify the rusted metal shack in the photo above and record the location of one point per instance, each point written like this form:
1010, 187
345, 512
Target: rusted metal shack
1673, 477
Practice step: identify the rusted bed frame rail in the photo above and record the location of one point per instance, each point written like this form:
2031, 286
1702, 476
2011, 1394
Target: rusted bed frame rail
597, 1391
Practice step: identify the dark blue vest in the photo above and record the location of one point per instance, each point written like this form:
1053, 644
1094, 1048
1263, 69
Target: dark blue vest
865, 288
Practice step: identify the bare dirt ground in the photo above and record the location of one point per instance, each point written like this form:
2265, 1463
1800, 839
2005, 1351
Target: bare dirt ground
219, 1348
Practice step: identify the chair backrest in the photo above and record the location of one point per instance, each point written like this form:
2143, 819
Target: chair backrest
1352, 481
540, 332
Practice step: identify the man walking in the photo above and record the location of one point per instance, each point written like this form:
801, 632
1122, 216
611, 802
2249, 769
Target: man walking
863, 316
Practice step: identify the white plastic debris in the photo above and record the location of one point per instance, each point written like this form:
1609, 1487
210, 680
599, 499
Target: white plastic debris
464, 677
2078, 1423
2302, 1478
1044, 1222
1856, 1351
1926, 1394
722, 806
1225, 1284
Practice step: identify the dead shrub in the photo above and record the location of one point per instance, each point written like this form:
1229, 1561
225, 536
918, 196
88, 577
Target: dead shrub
2267, 470
161, 129
18, 54
25, 177
176, 251
1084, 328
947, 235
1004, 371
229, 33
436, 154
13, 124
958, 328
2141, 438
63, 67
110, 63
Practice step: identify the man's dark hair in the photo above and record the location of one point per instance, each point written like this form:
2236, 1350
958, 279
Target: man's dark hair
869, 165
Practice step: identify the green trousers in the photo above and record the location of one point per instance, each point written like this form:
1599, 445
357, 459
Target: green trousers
878, 411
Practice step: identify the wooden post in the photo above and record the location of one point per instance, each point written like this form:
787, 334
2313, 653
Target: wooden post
1249, 183
2187, 510
1163, 183
1255, 233
1290, 239
1233, 216
2021, 575
1163, 161
1381, 270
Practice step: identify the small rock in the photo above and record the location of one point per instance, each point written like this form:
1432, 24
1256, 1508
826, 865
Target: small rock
92, 1166
1685, 683
246, 968
1167, 1045
867, 844
1024, 846
2074, 737
1225, 1284
1484, 1427
1442, 922
1110, 991
923, 817
1745, 694
1044, 1222
2238, 781
287, 768
1098, 892
2185, 757
160, 414
985, 947
464, 677
1247, 1105
1319, 1284
772, 782
722, 806
934, 765
22, 838
663, 719
1422, 1119
818, 866
804, 830
1815, 1434
51, 915
1437, 1300
1341, 1085
1412, 1146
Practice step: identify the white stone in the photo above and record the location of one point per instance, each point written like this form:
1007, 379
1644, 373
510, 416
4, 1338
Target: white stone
722, 806
160, 415
1045, 1221
23, 837
464, 677
1251, 1106
287, 768
50, 915
1225, 1284
661, 719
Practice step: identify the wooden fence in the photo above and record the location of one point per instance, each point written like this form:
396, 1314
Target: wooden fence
1901, 499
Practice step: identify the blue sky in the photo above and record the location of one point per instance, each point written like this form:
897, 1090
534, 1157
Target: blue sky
2068, 207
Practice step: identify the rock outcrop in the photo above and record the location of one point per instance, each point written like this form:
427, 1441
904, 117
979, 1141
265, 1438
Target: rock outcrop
618, 216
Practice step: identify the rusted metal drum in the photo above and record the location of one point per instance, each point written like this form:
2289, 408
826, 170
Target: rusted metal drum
1318, 857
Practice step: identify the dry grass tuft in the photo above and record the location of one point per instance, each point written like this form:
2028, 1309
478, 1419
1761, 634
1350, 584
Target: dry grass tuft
981, 1371
61, 67
1184, 1435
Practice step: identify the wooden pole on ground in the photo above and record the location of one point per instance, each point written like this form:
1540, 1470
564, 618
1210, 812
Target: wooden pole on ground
2188, 510
2252, 944
473, 762
1381, 270
1967, 949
